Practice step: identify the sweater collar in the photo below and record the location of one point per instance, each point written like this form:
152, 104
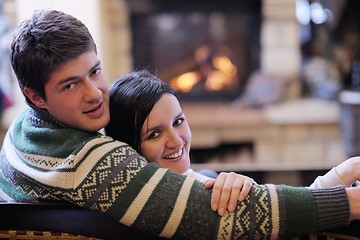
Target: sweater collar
42, 118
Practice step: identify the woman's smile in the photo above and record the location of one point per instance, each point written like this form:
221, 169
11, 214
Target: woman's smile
174, 155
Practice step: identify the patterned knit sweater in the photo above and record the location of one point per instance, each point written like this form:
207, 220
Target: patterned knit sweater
42, 159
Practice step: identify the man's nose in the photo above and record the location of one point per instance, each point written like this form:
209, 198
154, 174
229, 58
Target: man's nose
92, 92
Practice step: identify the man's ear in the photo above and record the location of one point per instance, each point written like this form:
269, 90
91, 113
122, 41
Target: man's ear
35, 97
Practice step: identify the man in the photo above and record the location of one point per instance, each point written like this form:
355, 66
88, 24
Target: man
53, 151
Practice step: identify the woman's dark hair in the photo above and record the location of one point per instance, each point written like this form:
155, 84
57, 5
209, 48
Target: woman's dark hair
132, 97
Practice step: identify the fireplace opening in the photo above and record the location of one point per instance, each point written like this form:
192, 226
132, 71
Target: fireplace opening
206, 50
242, 152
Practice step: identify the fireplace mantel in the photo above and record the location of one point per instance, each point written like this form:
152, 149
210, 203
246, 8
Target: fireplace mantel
301, 134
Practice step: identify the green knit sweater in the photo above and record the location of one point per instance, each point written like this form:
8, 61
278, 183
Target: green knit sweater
42, 159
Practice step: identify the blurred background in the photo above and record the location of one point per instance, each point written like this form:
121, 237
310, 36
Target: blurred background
269, 87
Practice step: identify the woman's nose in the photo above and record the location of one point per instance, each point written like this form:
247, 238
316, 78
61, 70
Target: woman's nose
174, 140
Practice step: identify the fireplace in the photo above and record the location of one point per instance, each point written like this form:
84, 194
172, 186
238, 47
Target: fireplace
206, 50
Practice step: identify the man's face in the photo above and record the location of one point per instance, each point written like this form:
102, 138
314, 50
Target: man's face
77, 94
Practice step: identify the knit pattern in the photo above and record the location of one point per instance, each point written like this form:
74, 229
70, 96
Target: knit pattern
96, 172
255, 212
40, 235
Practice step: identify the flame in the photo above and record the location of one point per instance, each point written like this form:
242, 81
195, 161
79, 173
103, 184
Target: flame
186, 81
217, 74
224, 75
223, 63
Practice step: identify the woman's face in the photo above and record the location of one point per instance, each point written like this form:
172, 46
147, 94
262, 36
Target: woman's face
166, 135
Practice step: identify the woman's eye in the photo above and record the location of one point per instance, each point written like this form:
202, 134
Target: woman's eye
153, 135
178, 121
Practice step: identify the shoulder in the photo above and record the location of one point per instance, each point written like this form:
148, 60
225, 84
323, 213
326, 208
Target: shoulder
196, 175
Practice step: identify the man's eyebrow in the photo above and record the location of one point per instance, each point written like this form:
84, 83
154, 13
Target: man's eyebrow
69, 79
96, 65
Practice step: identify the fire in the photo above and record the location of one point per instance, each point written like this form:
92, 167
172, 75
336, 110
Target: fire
186, 81
223, 63
223, 76
215, 70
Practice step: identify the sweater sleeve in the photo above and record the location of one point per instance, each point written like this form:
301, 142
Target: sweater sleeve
200, 177
330, 179
163, 203
105, 175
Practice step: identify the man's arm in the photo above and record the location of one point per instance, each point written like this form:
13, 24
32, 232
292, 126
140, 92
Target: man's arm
164, 203
105, 175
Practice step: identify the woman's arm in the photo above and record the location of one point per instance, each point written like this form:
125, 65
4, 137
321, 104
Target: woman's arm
345, 174
349, 170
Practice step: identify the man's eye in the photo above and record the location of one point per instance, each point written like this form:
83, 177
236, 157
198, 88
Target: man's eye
96, 71
69, 86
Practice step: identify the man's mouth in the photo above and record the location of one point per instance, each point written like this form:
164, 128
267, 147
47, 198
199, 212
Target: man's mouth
94, 109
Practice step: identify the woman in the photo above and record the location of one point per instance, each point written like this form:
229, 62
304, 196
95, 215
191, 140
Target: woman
146, 114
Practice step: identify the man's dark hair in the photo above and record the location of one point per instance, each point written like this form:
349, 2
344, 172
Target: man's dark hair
45, 42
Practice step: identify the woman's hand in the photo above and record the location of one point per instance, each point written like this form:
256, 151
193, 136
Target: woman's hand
228, 188
349, 170
354, 201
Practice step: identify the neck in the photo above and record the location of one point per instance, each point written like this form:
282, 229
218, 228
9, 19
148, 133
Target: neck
41, 117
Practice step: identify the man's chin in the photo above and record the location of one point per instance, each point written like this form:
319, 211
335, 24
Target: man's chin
93, 127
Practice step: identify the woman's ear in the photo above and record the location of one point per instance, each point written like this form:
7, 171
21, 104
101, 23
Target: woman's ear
35, 97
